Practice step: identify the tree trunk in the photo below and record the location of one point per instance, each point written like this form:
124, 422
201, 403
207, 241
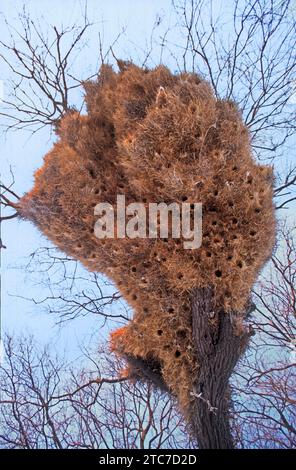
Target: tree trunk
218, 347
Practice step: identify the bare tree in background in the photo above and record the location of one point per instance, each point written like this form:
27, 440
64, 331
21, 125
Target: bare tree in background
46, 403
248, 54
265, 383
41, 64
41, 59
73, 292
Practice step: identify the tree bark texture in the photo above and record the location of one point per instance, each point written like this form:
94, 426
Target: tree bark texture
219, 346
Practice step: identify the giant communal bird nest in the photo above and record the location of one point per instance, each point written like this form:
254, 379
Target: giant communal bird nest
158, 137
